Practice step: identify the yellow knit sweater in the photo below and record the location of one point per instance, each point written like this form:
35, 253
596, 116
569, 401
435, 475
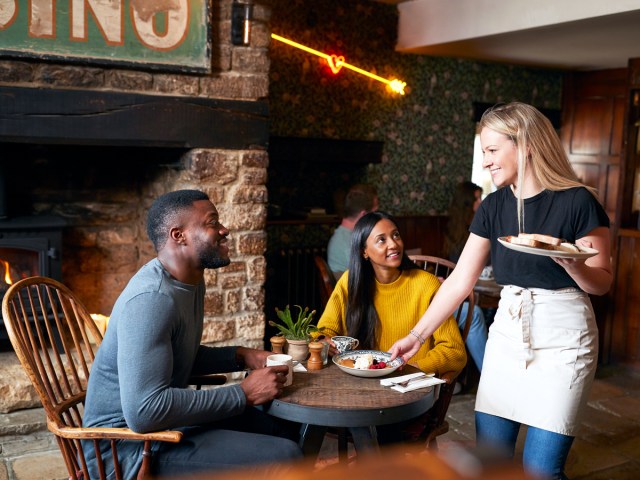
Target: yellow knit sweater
400, 305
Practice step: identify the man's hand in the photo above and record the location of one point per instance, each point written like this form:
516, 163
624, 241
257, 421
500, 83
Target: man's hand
264, 384
253, 359
406, 348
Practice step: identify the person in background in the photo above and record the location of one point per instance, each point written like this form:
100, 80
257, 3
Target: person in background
380, 298
464, 204
360, 199
542, 351
141, 371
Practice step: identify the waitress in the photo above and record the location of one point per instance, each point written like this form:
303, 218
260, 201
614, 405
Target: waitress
542, 350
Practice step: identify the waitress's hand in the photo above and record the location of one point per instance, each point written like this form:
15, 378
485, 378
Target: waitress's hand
406, 348
571, 264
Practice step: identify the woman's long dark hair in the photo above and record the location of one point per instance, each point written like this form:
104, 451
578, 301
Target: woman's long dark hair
361, 316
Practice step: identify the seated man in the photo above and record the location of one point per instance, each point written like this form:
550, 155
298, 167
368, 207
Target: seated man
140, 375
360, 199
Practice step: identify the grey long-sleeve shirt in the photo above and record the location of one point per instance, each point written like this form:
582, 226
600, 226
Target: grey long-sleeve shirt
150, 349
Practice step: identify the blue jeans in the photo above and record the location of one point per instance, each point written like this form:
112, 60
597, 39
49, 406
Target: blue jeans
477, 337
545, 452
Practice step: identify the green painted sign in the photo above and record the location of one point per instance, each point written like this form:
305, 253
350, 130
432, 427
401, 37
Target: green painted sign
163, 34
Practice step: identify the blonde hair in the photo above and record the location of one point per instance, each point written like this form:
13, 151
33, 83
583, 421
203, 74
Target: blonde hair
536, 141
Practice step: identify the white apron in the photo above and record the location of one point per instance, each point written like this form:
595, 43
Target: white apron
540, 359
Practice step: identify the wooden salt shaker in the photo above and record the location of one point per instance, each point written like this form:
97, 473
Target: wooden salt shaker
315, 358
277, 344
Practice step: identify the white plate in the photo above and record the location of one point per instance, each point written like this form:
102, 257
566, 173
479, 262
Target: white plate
369, 373
583, 253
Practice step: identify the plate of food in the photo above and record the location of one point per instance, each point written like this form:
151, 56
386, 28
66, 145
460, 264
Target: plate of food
367, 363
546, 245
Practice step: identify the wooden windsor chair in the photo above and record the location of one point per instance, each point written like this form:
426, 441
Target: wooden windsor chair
434, 423
55, 340
326, 278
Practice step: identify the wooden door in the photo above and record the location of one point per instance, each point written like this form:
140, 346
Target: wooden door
592, 125
593, 118
625, 325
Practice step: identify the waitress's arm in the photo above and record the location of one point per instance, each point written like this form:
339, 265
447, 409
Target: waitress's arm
453, 290
593, 275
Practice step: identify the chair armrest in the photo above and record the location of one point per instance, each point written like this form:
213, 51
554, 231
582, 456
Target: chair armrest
82, 433
208, 379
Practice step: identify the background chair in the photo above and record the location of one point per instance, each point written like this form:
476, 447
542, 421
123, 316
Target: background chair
327, 281
434, 422
50, 331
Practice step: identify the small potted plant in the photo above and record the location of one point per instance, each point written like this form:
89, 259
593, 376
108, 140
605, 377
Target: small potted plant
297, 331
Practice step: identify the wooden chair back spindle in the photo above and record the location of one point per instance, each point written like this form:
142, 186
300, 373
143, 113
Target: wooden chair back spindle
326, 279
56, 340
434, 422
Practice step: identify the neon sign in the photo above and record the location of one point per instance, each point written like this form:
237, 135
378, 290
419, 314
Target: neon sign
337, 62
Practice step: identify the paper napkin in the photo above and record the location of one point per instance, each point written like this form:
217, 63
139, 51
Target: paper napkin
423, 382
299, 368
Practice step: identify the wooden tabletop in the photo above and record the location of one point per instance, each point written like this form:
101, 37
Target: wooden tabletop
331, 397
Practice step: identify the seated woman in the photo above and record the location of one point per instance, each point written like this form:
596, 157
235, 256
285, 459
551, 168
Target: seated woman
382, 296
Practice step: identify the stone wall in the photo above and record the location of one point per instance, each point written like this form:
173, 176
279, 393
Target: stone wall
105, 241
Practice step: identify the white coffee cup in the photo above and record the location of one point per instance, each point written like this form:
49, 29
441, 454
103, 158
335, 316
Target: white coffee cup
282, 359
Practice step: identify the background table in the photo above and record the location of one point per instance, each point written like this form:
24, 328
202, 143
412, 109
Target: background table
487, 293
329, 397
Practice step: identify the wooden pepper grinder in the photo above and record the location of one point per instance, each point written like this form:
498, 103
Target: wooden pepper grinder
277, 344
315, 358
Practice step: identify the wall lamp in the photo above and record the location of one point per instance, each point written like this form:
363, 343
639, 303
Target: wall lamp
241, 16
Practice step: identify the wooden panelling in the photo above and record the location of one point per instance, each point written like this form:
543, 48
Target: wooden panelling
616, 139
591, 115
592, 129
613, 190
625, 328
593, 120
423, 232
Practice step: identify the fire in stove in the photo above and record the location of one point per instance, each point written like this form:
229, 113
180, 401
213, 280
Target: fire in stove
29, 246
16, 264
8, 272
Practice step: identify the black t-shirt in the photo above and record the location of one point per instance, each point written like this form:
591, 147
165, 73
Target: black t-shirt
568, 214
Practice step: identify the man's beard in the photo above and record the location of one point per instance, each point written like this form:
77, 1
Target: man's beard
211, 259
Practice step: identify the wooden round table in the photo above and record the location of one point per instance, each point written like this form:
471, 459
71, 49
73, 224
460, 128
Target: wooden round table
332, 398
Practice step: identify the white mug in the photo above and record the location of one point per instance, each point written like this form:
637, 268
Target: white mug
282, 359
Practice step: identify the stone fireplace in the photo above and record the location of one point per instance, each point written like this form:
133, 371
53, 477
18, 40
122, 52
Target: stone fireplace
95, 146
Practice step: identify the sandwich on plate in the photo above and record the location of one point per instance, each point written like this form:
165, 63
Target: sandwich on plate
546, 242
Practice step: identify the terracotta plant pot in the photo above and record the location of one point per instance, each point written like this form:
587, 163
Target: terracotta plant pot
298, 349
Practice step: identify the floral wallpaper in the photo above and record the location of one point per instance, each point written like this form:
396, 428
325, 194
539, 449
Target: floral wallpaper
428, 133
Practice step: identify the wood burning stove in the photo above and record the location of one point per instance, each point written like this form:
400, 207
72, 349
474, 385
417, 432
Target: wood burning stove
29, 246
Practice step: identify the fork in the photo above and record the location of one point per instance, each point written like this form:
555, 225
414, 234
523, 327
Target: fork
414, 379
